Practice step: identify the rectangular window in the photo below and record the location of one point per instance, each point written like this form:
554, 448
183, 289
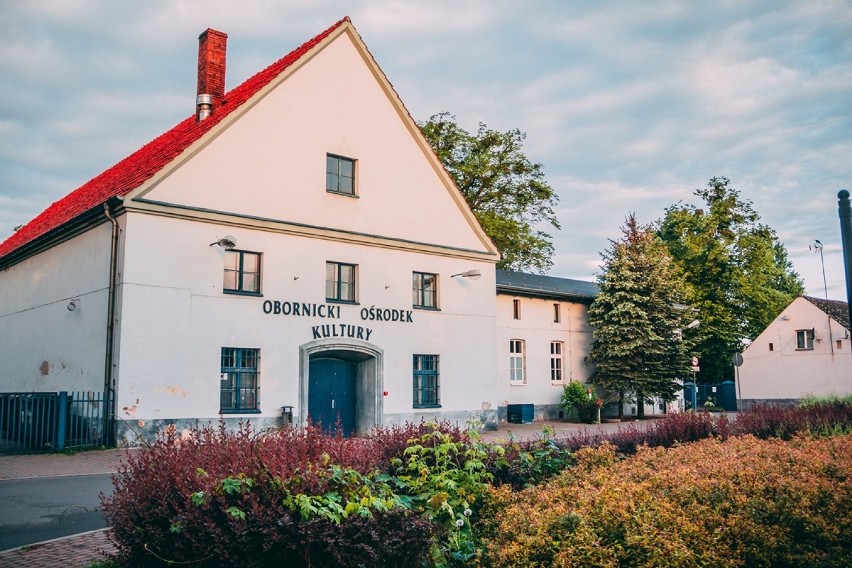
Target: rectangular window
516, 309
804, 339
425, 290
242, 272
340, 282
517, 362
771, 347
556, 361
339, 175
239, 389
557, 316
426, 384
839, 344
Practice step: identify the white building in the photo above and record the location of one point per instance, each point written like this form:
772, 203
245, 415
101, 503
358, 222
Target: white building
543, 337
804, 351
295, 242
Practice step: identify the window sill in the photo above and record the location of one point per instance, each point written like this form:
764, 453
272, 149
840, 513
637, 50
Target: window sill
516, 384
804, 349
347, 302
240, 411
242, 293
427, 308
426, 406
352, 195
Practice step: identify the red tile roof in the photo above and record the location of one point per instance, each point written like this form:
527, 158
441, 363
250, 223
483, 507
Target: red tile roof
135, 169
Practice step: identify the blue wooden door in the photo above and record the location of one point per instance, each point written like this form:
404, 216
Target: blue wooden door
331, 394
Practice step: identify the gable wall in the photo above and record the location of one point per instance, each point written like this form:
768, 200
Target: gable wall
786, 373
271, 161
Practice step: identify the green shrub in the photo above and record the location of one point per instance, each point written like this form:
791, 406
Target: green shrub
577, 398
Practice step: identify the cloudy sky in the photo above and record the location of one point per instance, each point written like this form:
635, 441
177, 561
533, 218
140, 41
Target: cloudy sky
630, 106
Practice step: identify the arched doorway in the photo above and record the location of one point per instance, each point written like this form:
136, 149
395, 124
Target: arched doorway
341, 378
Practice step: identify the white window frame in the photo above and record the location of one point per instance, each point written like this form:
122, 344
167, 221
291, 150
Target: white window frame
557, 362
517, 362
805, 339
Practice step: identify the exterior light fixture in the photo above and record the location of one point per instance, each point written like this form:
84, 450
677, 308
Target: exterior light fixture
472, 274
227, 242
72, 305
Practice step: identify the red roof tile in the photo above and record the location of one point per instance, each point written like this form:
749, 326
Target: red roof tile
135, 169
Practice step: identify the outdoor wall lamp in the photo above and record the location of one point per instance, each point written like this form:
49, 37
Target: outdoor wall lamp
472, 274
72, 305
227, 242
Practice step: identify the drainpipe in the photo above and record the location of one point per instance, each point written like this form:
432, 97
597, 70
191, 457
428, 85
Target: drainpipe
109, 383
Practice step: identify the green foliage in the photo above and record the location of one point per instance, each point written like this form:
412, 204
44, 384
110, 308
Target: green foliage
641, 343
576, 398
447, 481
505, 191
737, 271
812, 400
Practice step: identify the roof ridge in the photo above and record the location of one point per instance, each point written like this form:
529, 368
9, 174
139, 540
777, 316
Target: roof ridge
142, 164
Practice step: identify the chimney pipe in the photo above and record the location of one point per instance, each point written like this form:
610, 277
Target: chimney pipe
212, 46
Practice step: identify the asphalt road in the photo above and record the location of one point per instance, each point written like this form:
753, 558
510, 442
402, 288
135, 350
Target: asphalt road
38, 509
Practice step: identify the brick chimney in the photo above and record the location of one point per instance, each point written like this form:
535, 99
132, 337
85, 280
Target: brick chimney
211, 72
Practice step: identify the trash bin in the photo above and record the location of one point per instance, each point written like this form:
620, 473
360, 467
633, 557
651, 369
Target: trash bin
520, 413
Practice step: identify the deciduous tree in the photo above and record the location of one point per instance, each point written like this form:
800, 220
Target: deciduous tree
506, 192
737, 271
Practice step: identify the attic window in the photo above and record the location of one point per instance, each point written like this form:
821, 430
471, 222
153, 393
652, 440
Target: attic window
771, 347
804, 339
339, 175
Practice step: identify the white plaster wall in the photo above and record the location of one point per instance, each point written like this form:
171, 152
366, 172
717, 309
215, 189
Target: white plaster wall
787, 373
537, 328
43, 345
271, 162
176, 319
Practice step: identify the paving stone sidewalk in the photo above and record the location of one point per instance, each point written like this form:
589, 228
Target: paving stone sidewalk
86, 548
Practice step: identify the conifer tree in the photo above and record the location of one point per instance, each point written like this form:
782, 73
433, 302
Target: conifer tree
640, 345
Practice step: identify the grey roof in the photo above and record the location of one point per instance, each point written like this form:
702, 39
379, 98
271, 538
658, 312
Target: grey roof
835, 308
550, 287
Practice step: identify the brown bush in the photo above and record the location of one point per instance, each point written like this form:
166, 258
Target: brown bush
739, 502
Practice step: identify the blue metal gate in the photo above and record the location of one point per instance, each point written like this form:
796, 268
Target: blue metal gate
720, 395
51, 421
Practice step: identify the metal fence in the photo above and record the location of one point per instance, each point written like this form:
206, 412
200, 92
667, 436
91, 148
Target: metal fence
51, 421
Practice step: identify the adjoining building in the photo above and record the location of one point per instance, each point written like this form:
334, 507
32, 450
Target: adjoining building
543, 337
804, 351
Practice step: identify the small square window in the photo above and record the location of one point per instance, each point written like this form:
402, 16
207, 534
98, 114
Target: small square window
242, 272
239, 387
804, 339
339, 175
340, 282
426, 385
516, 309
424, 290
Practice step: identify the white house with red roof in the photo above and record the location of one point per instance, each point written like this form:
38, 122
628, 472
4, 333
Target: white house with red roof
293, 243
805, 351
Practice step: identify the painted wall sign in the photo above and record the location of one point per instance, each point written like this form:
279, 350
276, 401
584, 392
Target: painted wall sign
341, 330
301, 309
384, 314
